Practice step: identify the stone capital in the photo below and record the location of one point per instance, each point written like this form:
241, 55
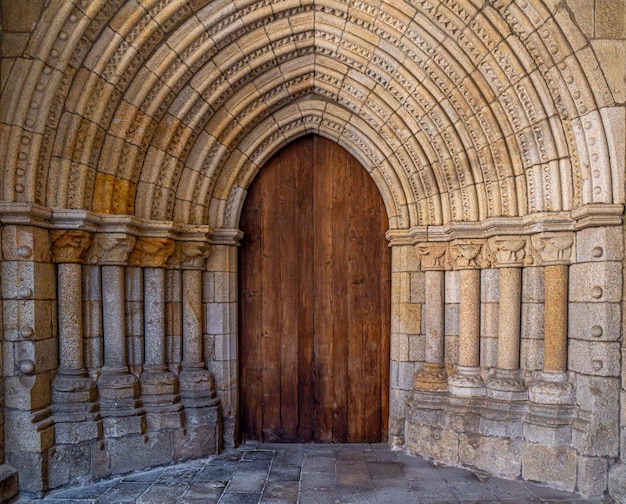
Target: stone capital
190, 255
510, 251
554, 248
433, 256
151, 252
111, 249
70, 246
468, 254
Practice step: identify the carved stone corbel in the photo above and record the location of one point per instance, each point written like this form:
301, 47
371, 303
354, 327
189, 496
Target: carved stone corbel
511, 251
70, 246
554, 248
111, 249
151, 252
434, 256
189, 255
469, 254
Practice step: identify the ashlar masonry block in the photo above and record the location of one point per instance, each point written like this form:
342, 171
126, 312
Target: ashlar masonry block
554, 465
595, 432
595, 282
595, 322
500, 457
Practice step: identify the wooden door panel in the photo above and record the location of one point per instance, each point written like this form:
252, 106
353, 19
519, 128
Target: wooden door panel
314, 300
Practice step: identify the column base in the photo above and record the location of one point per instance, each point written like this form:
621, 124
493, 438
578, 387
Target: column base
466, 382
551, 388
75, 411
8, 482
506, 385
549, 424
159, 392
432, 378
120, 405
69, 388
197, 387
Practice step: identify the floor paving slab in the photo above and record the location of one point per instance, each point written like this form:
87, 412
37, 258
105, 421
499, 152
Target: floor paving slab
308, 474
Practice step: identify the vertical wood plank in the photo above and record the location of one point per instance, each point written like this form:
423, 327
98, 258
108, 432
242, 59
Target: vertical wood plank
323, 287
305, 307
271, 302
250, 292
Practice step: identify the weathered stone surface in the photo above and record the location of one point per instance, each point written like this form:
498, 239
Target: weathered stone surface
596, 431
594, 282
592, 475
617, 481
8, 482
435, 442
196, 441
555, 465
595, 321
129, 452
501, 457
597, 358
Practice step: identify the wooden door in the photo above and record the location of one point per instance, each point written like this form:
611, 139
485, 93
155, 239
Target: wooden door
314, 306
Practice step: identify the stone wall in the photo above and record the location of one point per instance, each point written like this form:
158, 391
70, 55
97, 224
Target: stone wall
96, 382
538, 400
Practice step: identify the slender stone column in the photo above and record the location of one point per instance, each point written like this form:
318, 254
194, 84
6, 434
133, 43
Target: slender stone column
507, 383
159, 387
196, 382
467, 382
433, 376
119, 389
552, 387
74, 394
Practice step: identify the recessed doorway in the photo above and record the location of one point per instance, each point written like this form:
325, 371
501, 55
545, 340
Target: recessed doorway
314, 291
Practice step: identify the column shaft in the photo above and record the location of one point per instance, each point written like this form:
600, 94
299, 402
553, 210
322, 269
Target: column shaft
113, 318
154, 320
555, 343
469, 315
192, 317
509, 318
70, 317
435, 317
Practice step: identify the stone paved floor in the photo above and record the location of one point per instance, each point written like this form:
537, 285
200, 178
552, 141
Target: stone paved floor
308, 474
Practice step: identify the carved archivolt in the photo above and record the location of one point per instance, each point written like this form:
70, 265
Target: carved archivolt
171, 117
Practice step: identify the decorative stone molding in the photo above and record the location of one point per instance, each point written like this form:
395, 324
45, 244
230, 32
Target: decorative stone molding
551, 388
554, 248
111, 249
433, 256
151, 252
506, 385
466, 382
468, 254
510, 251
70, 246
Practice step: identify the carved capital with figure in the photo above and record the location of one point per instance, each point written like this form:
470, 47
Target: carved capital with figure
468, 254
70, 246
111, 249
433, 256
190, 255
151, 252
554, 248
510, 251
